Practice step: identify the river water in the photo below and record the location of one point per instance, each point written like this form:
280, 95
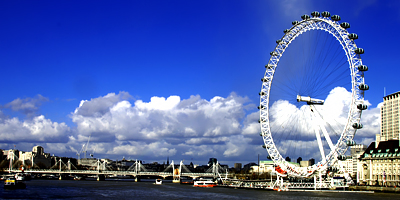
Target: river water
128, 189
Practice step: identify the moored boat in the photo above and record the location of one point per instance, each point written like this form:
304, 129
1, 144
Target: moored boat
78, 178
12, 183
204, 183
158, 181
22, 177
187, 181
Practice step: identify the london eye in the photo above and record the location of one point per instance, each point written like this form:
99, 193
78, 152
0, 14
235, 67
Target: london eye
312, 95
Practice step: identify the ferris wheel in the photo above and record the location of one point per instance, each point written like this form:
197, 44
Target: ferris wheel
312, 95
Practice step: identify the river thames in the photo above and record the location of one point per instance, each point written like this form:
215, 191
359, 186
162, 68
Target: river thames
127, 189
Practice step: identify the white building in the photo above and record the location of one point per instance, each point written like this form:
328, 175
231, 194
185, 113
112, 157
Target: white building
345, 166
36, 156
266, 166
390, 128
382, 157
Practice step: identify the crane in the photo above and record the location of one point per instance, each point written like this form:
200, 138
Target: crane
87, 144
83, 149
92, 154
79, 153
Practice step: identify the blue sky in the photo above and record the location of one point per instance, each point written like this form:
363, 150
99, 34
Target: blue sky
118, 55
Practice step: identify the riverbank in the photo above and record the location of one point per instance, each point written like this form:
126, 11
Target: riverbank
375, 189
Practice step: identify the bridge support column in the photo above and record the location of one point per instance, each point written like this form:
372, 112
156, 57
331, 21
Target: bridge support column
62, 177
176, 180
101, 177
176, 173
137, 179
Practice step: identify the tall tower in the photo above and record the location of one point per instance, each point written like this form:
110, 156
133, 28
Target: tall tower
168, 160
390, 111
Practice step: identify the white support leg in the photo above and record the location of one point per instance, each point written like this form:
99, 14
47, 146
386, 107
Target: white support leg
320, 122
318, 135
321, 148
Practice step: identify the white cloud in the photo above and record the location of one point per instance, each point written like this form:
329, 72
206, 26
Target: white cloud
39, 129
28, 106
179, 128
371, 120
141, 149
159, 103
100, 106
180, 124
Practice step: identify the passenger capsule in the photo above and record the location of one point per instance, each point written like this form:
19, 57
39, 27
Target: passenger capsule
265, 79
362, 107
263, 146
359, 50
315, 14
268, 66
353, 36
286, 31
363, 86
335, 18
350, 143
357, 126
259, 121
326, 14
273, 53
305, 17
294, 22
260, 107
341, 157
261, 134
278, 41
334, 169
345, 25
262, 93
363, 68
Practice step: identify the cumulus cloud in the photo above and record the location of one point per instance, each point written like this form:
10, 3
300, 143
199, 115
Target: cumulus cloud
28, 106
100, 106
218, 127
38, 129
371, 120
182, 128
174, 126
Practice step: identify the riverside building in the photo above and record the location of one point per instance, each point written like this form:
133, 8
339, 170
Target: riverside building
382, 157
390, 128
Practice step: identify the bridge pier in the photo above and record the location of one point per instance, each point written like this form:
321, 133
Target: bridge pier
137, 179
62, 177
101, 177
176, 180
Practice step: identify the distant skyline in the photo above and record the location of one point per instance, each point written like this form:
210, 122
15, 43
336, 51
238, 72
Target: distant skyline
155, 79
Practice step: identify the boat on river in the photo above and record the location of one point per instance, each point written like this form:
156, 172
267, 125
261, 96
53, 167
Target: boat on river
204, 183
12, 183
158, 181
23, 177
187, 181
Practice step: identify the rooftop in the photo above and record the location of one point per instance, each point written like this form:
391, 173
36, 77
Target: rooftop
388, 148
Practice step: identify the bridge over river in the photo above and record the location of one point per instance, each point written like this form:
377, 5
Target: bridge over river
136, 171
